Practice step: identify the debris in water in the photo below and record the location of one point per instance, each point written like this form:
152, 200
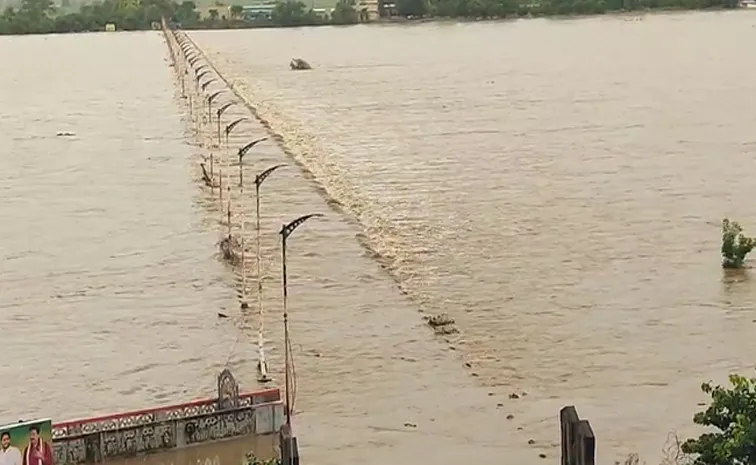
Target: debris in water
298, 64
222, 315
65, 133
205, 176
229, 246
442, 324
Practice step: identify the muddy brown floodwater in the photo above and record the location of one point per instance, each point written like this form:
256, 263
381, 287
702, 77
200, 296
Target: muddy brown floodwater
555, 186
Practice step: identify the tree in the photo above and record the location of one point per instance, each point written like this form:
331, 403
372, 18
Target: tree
412, 7
186, 13
213, 14
292, 13
735, 245
344, 13
236, 11
733, 413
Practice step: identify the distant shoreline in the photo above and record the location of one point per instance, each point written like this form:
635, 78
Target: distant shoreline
225, 24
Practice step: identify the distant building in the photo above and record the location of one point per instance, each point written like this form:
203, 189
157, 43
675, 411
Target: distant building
388, 8
369, 10
324, 13
257, 11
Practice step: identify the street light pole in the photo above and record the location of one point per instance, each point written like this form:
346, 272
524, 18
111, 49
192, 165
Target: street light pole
228, 130
199, 73
210, 99
207, 83
219, 113
243, 151
286, 231
262, 365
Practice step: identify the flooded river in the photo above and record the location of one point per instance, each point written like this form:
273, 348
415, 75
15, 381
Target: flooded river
555, 186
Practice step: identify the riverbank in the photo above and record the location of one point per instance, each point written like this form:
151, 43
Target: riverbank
40, 17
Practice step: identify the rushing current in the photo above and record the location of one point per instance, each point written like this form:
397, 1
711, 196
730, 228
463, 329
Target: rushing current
555, 186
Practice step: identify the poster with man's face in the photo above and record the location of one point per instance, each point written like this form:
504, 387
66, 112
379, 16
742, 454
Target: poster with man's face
26, 443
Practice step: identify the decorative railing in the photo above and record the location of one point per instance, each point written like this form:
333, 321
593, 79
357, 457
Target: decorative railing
118, 421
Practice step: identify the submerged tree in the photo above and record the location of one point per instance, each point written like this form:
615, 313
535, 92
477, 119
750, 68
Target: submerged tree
735, 245
733, 413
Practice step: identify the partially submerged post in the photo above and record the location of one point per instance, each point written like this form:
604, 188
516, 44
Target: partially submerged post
578, 441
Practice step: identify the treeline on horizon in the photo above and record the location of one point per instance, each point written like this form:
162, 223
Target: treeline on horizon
42, 17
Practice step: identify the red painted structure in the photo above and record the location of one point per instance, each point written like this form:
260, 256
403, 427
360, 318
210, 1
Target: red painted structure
68, 429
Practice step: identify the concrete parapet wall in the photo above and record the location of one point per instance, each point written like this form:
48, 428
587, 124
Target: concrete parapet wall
156, 430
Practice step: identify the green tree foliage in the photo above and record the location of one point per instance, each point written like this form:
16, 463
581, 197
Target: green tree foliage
513, 8
732, 413
735, 245
345, 13
293, 13
414, 8
39, 16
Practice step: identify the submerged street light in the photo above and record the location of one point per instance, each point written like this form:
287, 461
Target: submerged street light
262, 365
231, 127
218, 114
210, 99
243, 151
286, 231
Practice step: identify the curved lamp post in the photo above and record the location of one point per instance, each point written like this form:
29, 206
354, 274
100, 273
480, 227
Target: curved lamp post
210, 99
218, 114
198, 75
228, 130
262, 365
231, 127
286, 231
204, 85
243, 151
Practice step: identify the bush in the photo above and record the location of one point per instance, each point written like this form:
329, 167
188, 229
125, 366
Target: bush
735, 245
732, 413
251, 459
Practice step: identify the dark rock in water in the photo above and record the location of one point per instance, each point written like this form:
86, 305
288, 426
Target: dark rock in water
299, 64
